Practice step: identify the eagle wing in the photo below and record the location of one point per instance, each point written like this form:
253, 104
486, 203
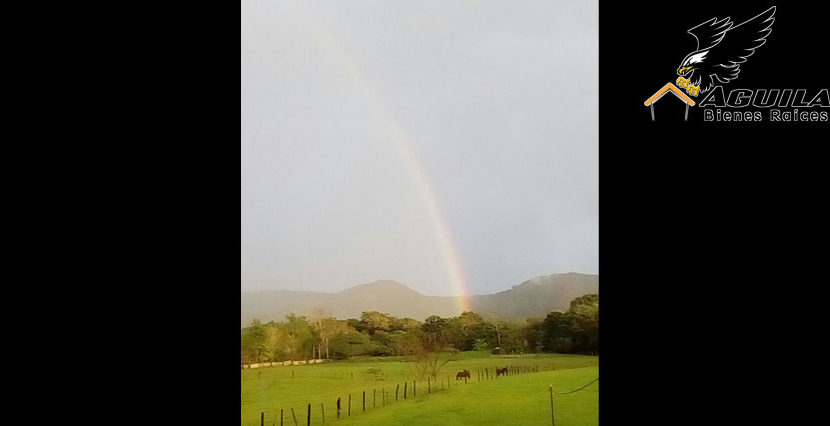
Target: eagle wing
738, 44
711, 32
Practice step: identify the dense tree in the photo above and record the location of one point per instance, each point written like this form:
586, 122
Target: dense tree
375, 321
254, 347
350, 343
428, 344
533, 334
574, 331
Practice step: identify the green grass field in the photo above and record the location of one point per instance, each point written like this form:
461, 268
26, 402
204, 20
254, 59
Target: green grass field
521, 399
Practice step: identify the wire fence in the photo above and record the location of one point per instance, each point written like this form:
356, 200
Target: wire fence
578, 389
552, 392
379, 397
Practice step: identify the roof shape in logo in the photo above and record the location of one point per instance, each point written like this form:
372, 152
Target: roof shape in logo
669, 87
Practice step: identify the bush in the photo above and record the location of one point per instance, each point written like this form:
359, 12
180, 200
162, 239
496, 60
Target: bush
480, 345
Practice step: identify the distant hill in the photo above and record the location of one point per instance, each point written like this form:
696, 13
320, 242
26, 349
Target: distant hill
532, 298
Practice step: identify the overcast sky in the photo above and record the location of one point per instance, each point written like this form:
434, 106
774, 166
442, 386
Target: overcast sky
354, 111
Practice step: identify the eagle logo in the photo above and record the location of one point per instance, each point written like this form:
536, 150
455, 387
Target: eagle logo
722, 47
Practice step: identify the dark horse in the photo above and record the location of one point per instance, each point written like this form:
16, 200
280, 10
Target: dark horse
462, 374
500, 371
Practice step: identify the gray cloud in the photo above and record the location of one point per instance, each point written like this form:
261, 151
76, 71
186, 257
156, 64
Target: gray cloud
497, 99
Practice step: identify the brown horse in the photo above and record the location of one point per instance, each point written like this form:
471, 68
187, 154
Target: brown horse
462, 374
500, 371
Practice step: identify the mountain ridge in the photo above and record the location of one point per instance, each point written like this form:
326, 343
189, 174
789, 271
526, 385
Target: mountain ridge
531, 298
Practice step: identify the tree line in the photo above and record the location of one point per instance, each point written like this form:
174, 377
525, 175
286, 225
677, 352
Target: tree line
299, 337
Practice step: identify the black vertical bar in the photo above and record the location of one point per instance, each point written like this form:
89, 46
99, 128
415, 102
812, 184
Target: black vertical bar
552, 421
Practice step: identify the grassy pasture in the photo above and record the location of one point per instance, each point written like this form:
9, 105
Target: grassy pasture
517, 399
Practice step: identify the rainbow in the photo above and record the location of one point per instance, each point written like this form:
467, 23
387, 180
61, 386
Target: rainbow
412, 163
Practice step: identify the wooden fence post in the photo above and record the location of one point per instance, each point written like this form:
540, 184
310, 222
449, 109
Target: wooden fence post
552, 420
350, 405
397, 386
338, 407
404, 389
323, 411
280, 416
413, 390
374, 398
429, 386
309, 415
364, 400
261, 418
